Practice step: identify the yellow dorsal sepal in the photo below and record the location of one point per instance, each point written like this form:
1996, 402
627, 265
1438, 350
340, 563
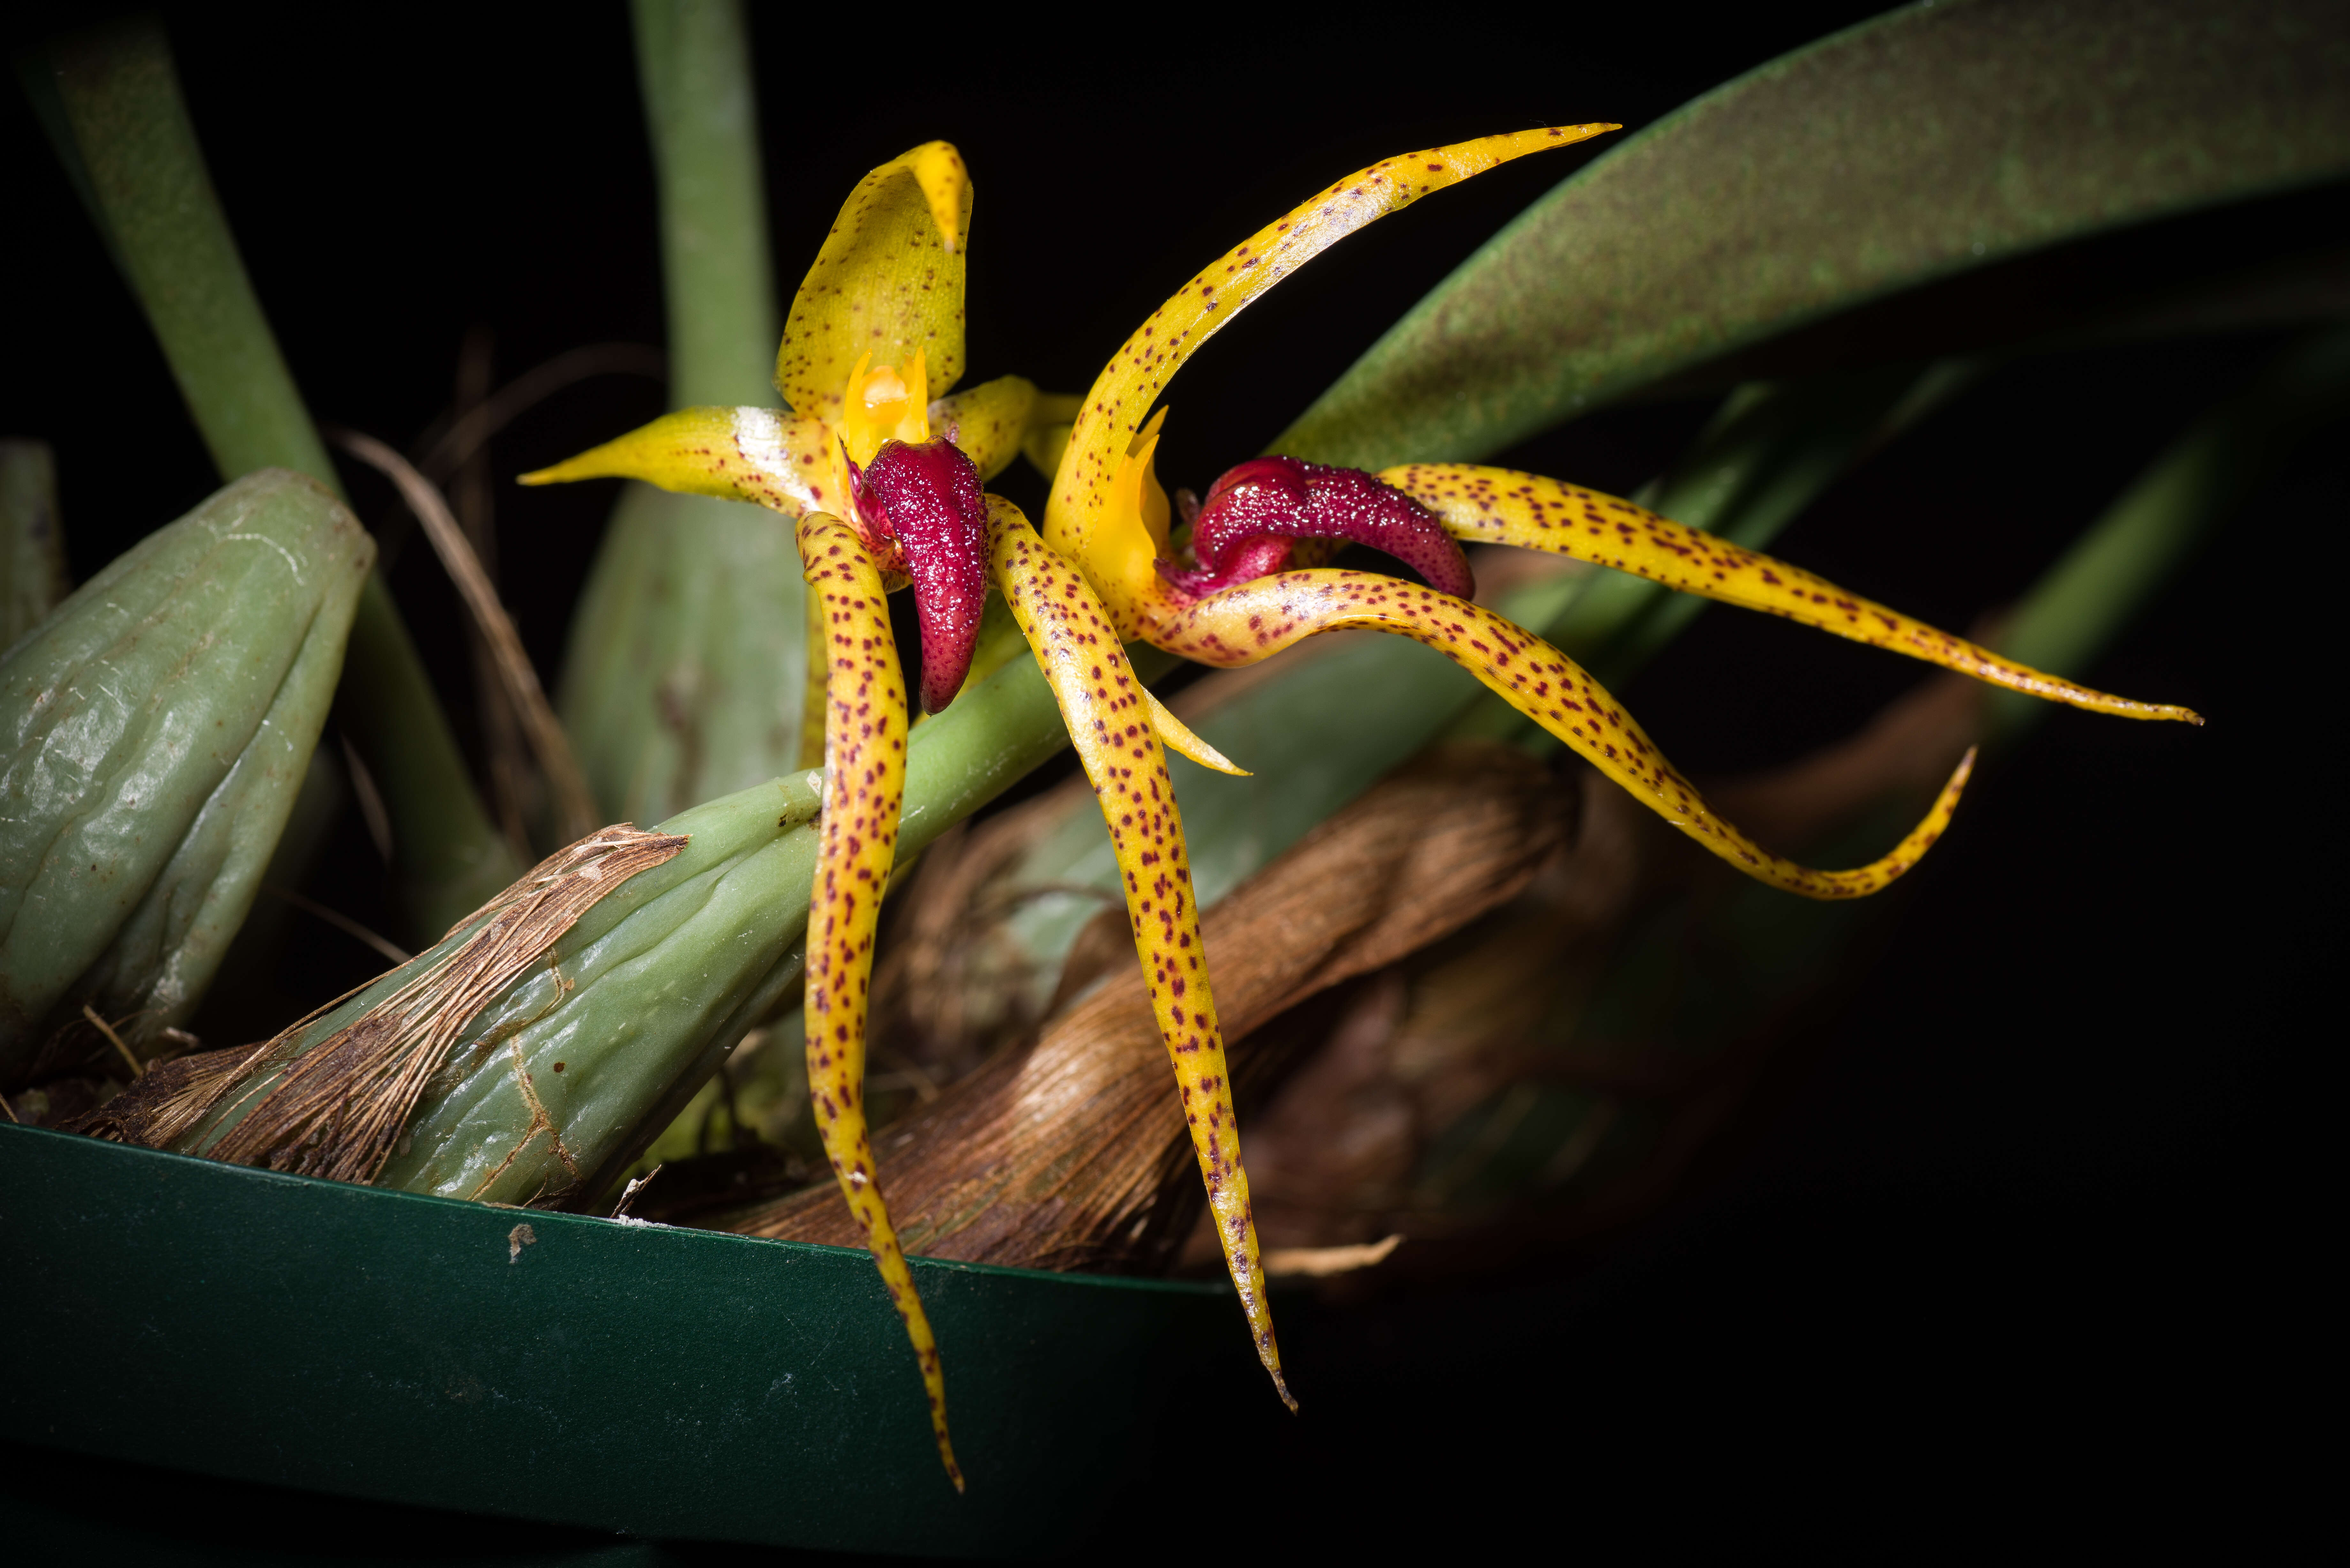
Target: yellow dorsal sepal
938, 169
888, 283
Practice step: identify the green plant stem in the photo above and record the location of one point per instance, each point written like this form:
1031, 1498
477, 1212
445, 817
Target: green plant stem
2086, 598
31, 543
134, 153
655, 985
693, 68
686, 668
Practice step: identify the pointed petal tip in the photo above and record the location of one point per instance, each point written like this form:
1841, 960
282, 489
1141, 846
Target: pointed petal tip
1177, 737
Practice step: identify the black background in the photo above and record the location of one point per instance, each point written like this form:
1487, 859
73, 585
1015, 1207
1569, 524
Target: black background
2021, 1232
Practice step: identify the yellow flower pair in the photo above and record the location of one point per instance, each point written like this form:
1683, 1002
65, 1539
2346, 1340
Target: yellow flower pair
886, 482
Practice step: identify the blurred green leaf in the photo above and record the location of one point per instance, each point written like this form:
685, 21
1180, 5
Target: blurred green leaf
2202, 478
32, 541
1934, 139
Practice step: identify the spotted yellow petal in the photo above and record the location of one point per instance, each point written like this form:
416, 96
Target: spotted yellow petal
864, 791
1109, 718
888, 283
1081, 509
988, 421
1500, 506
1255, 620
742, 454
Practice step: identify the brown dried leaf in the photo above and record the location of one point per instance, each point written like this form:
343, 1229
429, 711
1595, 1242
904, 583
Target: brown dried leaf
1072, 1153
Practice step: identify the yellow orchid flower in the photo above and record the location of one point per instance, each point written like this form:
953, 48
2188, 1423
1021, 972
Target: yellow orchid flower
897, 504
876, 328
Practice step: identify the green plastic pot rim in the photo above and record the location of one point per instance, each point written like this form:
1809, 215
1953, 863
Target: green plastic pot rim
564, 1217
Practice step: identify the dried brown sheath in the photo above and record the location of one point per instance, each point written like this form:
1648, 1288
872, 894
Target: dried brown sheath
335, 1109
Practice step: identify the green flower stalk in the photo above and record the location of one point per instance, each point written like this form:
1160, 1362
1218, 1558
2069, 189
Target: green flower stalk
158, 728
688, 656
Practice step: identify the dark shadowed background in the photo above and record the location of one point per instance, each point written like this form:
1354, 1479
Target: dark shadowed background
2024, 1221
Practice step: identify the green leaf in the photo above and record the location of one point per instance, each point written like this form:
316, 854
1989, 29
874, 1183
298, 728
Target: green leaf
1922, 144
693, 65
155, 732
111, 98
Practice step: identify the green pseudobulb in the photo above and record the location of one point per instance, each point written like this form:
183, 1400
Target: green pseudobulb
155, 731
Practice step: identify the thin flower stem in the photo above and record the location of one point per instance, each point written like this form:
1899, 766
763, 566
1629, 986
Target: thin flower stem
454, 447
103, 1027
702, 106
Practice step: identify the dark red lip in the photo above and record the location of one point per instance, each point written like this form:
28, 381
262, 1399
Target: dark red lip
1252, 511
928, 502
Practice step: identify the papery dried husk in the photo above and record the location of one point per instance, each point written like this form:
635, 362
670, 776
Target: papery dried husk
1072, 1153
335, 1107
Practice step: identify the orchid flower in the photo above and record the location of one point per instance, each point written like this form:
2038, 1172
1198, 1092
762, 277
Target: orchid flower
877, 327
881, 502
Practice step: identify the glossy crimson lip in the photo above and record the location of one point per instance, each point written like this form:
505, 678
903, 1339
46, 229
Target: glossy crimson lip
926, 503
1254, 511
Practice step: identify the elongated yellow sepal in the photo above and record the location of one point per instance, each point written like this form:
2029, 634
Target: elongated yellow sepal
1255, 620
864, 792
1080, 511
1502, 506
758, 455
1110, 719
888, 283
